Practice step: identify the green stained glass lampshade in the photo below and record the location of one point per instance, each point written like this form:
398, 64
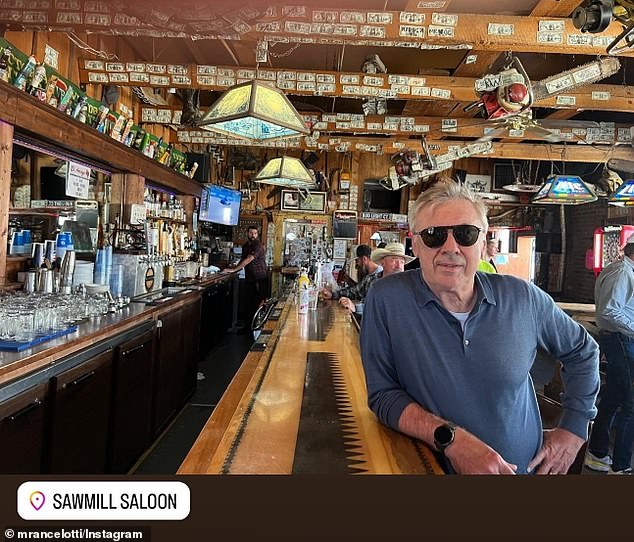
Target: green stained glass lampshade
564, 190
285, 171
254, 111
623, 195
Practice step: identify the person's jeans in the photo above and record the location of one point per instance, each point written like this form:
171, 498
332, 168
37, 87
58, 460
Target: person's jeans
617, 402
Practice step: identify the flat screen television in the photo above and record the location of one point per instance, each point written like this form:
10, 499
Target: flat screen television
220, 205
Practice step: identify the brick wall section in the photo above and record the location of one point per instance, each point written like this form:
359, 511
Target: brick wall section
581, 221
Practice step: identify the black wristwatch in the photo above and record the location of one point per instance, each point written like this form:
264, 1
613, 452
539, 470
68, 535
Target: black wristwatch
444, 435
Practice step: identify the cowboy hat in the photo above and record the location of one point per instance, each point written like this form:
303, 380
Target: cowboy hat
391, 249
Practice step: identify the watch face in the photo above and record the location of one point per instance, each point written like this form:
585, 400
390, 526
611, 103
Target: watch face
443, 436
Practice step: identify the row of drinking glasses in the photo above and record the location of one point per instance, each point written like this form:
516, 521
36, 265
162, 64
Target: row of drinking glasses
24, 317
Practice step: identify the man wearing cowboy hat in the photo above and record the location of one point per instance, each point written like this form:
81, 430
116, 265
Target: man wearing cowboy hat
392, 258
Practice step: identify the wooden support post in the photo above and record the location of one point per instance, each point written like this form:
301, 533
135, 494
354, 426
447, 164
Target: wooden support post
126, 190
6, 151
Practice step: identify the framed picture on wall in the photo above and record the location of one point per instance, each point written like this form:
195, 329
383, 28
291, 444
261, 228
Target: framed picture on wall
290, 200
340, 249
478, 183
314, 202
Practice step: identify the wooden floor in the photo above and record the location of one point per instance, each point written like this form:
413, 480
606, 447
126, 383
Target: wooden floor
301, 406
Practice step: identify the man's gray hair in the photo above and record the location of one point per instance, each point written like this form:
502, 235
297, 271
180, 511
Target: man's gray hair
443, 191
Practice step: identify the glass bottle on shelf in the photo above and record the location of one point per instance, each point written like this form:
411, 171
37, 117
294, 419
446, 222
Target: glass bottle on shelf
5, 64
163, 212
25, 73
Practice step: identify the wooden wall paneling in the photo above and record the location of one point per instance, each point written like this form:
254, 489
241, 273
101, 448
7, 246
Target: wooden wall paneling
371, 166
30, 164
6, 149
21, 40
38, 161
188, 206
93, 91
117, 195
518, 263
355, 171
127, 189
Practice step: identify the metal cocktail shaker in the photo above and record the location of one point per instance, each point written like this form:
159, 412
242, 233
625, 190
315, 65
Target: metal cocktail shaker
38, 254
30, 281
67, 270
45, 280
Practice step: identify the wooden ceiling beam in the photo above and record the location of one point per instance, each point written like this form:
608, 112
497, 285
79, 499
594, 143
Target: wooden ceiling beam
421, 5
562, 114
434, 88
193, 50
476, 63
517, 151
230, 51
482, 32
140, 55
435, 127
554, 8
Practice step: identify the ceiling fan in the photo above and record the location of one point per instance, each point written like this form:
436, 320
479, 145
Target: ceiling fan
409, 166
506, 97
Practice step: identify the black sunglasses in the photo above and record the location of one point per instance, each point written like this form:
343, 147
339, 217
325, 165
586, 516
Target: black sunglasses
435, 236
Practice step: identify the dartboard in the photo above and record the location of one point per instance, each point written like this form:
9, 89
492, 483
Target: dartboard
611, 247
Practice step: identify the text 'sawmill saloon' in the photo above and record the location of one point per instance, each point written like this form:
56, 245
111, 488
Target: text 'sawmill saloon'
202, 205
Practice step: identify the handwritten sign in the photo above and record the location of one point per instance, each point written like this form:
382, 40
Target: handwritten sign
77, 180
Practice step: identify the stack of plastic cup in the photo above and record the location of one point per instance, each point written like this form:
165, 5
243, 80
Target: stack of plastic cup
100, 268
17, 243
116, 280
107, 263
61, 246
27, 245
69, 239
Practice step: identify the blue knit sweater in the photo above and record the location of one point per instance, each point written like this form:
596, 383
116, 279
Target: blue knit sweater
414, 350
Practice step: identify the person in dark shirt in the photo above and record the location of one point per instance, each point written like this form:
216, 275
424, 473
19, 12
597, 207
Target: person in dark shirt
255, 273
491, 252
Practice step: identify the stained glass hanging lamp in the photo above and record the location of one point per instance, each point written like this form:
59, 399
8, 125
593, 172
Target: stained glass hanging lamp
285, 171
254, 111
564, 190
623, 195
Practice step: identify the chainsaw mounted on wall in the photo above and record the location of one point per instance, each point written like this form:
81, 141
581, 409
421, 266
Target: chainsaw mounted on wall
506, 97
409, 166
595, 16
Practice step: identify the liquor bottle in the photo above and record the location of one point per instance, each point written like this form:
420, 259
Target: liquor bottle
191, 172
37, 80
125, 134
66, 99
115, 133
156, 211
163, 211
24, 74
5, 64
100, 121
82, 102
51, 88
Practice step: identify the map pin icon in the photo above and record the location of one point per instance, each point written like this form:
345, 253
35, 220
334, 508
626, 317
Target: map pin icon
37, 499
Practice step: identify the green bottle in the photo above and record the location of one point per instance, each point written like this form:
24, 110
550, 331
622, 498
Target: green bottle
25, 73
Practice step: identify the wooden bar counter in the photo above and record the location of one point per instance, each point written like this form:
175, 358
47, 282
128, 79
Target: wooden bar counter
300, 406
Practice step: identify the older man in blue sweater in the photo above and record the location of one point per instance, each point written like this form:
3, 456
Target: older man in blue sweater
447, 350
